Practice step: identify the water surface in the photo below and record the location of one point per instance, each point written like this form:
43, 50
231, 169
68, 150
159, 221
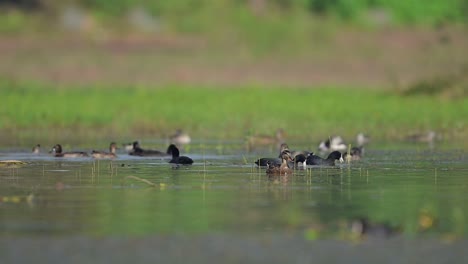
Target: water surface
419, 193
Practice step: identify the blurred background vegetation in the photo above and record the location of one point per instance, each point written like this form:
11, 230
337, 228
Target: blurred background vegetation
370, 48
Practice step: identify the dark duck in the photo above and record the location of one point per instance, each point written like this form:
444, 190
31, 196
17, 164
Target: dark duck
57, 152
138, 151
313, 159
176, 158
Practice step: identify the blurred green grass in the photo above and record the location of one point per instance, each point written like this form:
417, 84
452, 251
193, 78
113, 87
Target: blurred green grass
227, 112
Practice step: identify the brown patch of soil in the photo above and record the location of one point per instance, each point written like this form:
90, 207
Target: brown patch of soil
386, 58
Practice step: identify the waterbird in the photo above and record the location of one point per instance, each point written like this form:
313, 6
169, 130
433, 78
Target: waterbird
265, 140
428, 137
283, 168
331, 144
355, 154
362, 139
180, 138
264, 161
138, 151
363, 228
105, 155
57, 152
176, 158
129, 146
300, 157
313, 159
36, 149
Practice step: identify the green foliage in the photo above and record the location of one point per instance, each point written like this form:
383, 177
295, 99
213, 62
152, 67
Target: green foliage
228, 112
12, 21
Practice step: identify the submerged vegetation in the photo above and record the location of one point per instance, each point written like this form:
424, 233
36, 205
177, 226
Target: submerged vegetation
208, 112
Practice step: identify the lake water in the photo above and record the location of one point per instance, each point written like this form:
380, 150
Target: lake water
225, 208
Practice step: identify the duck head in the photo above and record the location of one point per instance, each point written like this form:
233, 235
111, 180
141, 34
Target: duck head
57, 149
173, 150
336, 155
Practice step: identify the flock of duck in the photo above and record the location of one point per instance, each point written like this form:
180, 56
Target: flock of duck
133, 149
286, 161
284, 164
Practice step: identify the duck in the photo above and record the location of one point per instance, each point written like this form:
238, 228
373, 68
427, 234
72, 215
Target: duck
128, 146
262, 162
283, 168
138, 151
57, 152
176, 158
313, 159
265, 140
180, 138
36, 149
332, 144
362, 139
428, 137
363, 228
355, 154
300, 157
105, 155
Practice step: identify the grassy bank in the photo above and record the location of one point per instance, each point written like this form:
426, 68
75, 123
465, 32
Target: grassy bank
130, 112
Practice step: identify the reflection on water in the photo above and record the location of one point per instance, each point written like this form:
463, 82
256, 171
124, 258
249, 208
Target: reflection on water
415, 192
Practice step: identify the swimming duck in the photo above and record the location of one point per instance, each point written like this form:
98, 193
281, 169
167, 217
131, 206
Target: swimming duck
137, 151
176, 158
362, 227
354, 155
362, 139
300, 156
105, 155
428, 137
180, 138
276, 161
265, 140
57, 152
313, 159
332, 144
283, 168
36, 149
128, 146
262, 162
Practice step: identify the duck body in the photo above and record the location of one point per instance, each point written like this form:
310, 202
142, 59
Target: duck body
332, 144
57, 152
313, 159
299, 156
263, 162
283, 168
362, 139
129, 146
105, 155
354, 155
180, 138
36, 149
176, 158
428, 137
265, 140
364, 228
138, 151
